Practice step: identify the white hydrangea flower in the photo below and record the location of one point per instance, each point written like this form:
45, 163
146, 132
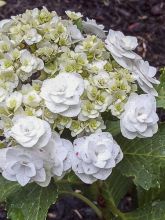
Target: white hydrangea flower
4, 23
22, 165
139, 118
74, 15
32, 98
59, 153
14, 101
121, 48
102, 80
62, 94
95, 156
88, 111
30, 131
30, 63
3, 94
144, 74
91, 27
6, 65
75, 33
32, 37
5, 44
97, 66
95, 125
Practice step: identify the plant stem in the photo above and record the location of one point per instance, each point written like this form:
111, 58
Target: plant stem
87, 201
115, 211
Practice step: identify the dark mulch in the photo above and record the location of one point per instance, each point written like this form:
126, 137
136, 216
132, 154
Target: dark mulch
142, 18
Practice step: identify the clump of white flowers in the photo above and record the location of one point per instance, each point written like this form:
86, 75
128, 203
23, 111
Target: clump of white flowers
61, 77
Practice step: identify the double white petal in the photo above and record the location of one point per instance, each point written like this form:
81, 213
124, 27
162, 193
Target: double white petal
59, 152
62, 94
22, 165
30, 131
139, 118
121, 48
144, 74
95, 156
91, 27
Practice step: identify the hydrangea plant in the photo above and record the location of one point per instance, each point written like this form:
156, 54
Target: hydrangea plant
72, 99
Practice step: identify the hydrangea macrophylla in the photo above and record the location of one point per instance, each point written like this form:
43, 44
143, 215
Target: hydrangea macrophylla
59, 151
32, 37
30, 131
68, 76
121, 47
14, 101
3, 94
30, 63
62, 94
95, 156
91, 27
144, 74
139, 118
23, 166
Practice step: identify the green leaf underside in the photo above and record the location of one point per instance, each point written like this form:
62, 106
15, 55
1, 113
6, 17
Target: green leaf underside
143, 158
154, 211
31, 202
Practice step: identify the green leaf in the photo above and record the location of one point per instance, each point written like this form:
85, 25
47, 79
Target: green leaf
152, 194
79, 24
7, 188
143, 158
115, 187
113, 127
113, 190
153, 211
31, 202
161, 90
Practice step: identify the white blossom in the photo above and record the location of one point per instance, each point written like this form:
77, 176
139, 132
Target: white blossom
32, 98
30, 63
144, 74
4, 23
74, 32
95, 156
59, 153
91, 27
73, 15
22, 165
3, 94
62, 94
30, 131
139, 118
102, 80
121, 48
14, 101
32, 37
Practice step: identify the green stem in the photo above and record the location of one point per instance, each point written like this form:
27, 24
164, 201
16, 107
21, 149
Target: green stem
115, 211
87, 201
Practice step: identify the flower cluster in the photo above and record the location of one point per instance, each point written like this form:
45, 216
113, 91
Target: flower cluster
58, 77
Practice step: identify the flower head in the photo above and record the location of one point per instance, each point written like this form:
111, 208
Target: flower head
139, 118
30, 131
95, 156
62, 94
